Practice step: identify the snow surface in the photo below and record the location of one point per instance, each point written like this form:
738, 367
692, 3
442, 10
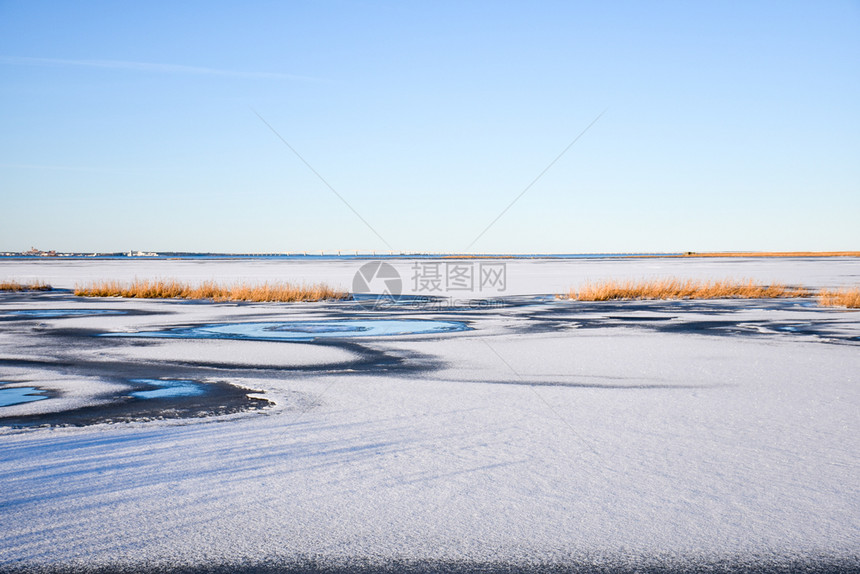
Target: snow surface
550, 432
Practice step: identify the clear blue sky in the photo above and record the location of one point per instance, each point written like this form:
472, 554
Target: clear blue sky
728, 125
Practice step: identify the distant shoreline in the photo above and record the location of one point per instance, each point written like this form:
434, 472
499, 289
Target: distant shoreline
54, 256
773, 254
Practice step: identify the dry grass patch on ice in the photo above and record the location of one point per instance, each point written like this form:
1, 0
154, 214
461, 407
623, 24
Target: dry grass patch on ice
172, 289
682, 289
16, 286
840, 298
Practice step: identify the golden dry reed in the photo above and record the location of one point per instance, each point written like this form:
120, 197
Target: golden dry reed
774, 254
172, 289
682, 289
840, 298
15, 286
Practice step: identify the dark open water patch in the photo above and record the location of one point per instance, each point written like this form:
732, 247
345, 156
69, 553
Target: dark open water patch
168, 389
775, 565
18, 395
304, 331
700, 317
151, 399
637, 318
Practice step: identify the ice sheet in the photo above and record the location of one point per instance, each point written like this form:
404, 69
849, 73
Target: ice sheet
551, 432
303, 331
523, 277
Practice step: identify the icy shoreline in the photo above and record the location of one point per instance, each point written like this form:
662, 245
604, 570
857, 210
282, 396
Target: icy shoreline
524, 277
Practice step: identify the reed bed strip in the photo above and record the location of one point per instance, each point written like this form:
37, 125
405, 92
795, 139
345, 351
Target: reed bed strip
849, 298
671, 288
774, 254
683, 289
15, 286
172, 289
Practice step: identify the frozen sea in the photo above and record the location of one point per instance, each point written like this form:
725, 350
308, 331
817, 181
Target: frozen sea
531, 434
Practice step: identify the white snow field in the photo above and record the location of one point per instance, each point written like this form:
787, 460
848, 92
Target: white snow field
548, 435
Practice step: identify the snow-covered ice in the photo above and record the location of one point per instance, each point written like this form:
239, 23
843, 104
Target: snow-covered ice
524, 276
549, 433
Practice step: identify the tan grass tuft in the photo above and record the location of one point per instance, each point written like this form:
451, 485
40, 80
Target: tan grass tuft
172, 289
682, 289
15, 286
840, 298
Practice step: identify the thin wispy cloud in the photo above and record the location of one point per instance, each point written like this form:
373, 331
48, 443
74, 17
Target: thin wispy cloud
149, 67
80, 168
